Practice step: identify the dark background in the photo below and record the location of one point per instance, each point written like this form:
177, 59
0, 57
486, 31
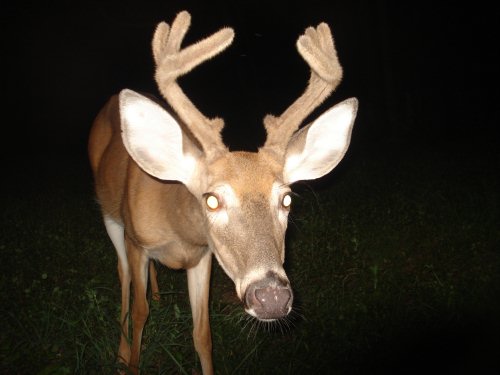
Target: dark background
426, 73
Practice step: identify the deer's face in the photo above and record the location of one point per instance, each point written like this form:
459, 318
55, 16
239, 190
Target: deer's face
246, 205
244, 196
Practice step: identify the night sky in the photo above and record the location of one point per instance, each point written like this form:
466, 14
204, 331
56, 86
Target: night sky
424, 73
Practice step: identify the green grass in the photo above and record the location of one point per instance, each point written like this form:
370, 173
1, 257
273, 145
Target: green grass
394, 261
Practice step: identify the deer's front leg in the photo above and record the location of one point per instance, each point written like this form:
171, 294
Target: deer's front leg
198, 285
138, 263
116, 234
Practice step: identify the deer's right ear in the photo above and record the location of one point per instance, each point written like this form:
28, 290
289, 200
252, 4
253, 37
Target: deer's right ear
154, 139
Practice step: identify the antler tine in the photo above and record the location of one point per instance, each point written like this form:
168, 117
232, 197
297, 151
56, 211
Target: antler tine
173, 62
317, 48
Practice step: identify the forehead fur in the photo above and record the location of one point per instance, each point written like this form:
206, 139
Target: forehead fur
245, 171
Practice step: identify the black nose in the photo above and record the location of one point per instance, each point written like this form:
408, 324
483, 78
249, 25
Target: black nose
269, 298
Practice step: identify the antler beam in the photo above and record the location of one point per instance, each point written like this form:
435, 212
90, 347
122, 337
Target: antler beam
317, 48
173, 62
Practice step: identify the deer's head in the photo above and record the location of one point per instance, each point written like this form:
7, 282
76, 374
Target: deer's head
245, 197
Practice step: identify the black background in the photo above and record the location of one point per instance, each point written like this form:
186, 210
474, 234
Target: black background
426, 73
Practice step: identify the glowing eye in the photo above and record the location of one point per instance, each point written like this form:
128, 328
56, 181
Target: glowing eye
287, 200
212, 202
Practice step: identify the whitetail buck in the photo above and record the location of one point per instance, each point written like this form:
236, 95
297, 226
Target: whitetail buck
171, 191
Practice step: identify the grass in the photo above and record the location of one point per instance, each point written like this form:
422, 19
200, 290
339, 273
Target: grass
395, 264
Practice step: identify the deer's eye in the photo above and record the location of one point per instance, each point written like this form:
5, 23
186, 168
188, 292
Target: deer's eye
286, 201
212, 202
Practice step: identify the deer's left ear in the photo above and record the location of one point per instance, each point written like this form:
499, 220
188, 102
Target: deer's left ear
318, 147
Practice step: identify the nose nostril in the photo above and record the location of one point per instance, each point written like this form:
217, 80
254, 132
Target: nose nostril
269, 298
272, 302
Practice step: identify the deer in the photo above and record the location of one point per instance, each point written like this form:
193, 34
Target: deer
172, 192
